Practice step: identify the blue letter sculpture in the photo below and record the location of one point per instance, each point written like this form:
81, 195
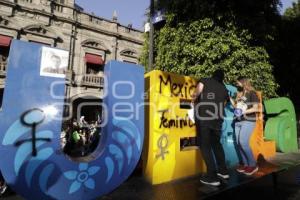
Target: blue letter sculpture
32, 162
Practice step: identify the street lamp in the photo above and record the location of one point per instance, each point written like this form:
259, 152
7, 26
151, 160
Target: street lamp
151, 36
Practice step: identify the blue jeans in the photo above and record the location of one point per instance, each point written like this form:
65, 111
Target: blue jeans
243, 132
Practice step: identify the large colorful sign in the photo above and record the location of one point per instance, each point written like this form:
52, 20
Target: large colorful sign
170, 149
32, 161
34, 165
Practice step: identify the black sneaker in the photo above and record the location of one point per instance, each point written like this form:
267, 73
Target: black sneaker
210, 181
223, 175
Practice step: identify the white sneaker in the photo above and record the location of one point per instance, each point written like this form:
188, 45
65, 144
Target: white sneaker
224, 176
210, 181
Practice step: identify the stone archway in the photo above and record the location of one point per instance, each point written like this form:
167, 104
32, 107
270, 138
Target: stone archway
41, 33
95, 44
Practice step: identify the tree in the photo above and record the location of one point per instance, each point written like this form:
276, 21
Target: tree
200, 47
235, 35
259, 17
287, 70
293, 12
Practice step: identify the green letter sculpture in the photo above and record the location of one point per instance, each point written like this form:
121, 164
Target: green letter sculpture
281, 125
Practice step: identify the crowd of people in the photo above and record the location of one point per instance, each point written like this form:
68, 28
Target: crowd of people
80, 138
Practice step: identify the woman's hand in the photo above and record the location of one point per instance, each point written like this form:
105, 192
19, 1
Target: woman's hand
254, 109
232, 101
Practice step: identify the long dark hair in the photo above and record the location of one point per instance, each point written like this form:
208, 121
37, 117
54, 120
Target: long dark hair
218, 75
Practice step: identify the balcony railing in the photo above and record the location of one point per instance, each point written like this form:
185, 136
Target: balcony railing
3, 65
92, 80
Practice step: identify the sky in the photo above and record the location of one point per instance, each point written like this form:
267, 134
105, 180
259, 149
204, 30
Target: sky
129, 11
286, 4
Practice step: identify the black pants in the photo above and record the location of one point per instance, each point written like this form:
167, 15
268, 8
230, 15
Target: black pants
212, 150
1, 179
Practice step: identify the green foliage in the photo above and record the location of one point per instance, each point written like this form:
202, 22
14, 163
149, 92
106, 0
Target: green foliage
144, 58
200, 47
202, 36
288, 50
259, 17
293, 11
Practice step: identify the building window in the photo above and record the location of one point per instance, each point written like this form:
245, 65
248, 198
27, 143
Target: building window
58, 8
5, 42
57, 5
94, 63
4, 51
28, 1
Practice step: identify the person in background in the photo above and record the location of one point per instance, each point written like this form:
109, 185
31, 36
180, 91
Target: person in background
63, 135
82, 122
246, 106
3, 186
76, 136
209, 101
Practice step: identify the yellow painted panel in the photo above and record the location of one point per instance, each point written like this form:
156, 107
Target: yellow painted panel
167, 123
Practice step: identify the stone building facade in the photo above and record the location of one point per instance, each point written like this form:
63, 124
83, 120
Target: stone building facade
91, 41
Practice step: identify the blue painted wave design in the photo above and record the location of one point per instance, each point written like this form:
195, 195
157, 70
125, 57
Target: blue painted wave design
130, 128
35, 162
14, 132
23, 153
124, 141
45, 175
110, 168
126, 136
117, 155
